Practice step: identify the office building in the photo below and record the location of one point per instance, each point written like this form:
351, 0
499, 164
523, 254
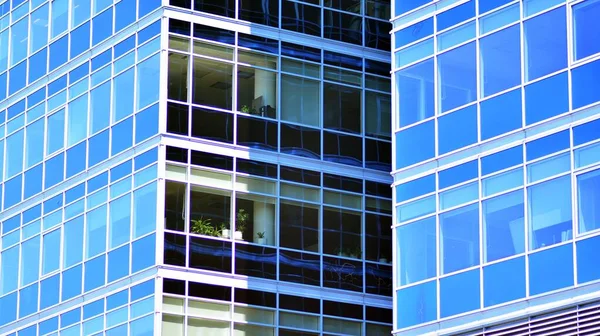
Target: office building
195, 167
496, 179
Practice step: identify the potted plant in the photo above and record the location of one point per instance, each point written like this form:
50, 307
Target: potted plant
204, 227
355, 253
225, 232
261, 238
241, 220
245, 109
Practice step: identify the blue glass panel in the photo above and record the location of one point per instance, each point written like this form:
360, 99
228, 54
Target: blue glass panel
8, 268
148, 81
17, 76
8, 307
117, 331
4, 47
142, 290
542, 278
488, 5
30, 331
458, 174
97, 182
28, 299
415, 81
499, 19
122, 136
30, 260
19, 39
146, 123
460, 195
32, 213
414, 209
120, 219
504, 282
93, 309
412, 189
547, 145
55, 135
145, 159
77, 120
123, 95
545, 35
141, 258
451, 137
142, 327
3, 86
587, 259
585, 83
101, 60
124, 46
54, 170
11, 224
408, 5
588, 198
456, 36
82, 36
51, 252
501, 114
457, 73
124, 14
504, 226
76, 159
423, 296
94, 273
100, 107
414, 53
34, 143
102, 25
53, 203
79, 72
531, 7
116, 300
73, 244
49, 291
459, 238
586, 28
459, 293
120, 171
118, 263
70, 317
407, 153
456, 15
57, 85
60, 16
80, 11
37, 65
416, 251
586, 132
35, 98
414, 32
14, 153
501, 160
500, 60
148, 32
48, 326
98, 151
95, 231
548, 167
147, 7
550, 217
12, 191
59, 52
71, 282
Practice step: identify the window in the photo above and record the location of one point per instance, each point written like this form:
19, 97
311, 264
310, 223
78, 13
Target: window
416, 251
378, 115
423, 296
407, 153
550, 220
542, 278
457, 129
500, 60
584, 81
266, 12
342, 233
504, 226
545, 35
539, 105
504, 282
299, 223
300, 100
415, 81
459, 293
501, 114
342, 108
257, 92
301, 18
458, 77
586, 28
459, 239
301, 141
210, 212
255, 218
588, 201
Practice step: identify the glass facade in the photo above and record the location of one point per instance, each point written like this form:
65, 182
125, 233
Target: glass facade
495, 119
195, 167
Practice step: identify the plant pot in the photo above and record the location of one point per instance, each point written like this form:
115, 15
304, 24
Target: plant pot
261, 241
226, 233
237, 235
383, 260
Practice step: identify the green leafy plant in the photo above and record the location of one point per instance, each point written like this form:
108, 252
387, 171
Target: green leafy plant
241, 220
245, 109
260, 234
204, 227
